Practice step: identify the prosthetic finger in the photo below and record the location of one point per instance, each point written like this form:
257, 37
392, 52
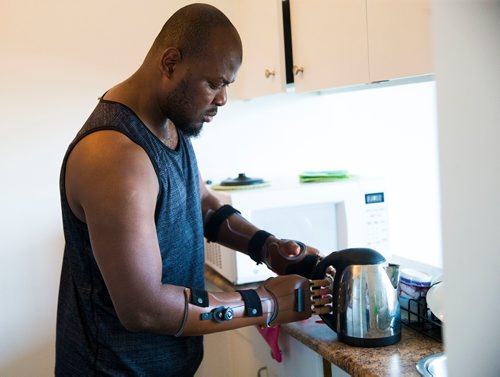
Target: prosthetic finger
323, 286
321, 295
323, 300
321, 292
319, 310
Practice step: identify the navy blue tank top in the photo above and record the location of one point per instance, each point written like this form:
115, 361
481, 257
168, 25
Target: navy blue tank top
90, 339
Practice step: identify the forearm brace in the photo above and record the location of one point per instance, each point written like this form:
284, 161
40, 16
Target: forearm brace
278, 300
239, 234
234, 231
215, 221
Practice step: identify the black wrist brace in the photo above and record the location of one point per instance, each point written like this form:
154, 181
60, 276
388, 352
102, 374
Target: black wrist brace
255, 245
213, 224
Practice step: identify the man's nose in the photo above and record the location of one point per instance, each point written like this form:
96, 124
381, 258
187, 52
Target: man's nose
221, 97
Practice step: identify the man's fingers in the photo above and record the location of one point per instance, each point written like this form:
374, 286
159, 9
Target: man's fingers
324, 300
327, 309
321, 295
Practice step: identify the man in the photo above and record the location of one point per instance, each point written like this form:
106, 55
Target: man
135, 209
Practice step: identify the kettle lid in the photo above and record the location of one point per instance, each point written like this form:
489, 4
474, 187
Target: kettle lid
348, 257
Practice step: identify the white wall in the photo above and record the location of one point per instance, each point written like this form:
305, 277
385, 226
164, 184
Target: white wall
467, 35
388, 132
58, 56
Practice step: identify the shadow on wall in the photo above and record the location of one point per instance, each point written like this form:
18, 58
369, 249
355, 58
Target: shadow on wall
37, 362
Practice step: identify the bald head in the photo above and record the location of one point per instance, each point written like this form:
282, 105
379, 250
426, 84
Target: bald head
184, 76
190, 28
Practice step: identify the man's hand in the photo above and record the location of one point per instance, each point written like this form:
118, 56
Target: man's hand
296, 298
290, 257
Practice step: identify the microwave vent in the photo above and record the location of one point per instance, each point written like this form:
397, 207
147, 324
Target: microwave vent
213, 254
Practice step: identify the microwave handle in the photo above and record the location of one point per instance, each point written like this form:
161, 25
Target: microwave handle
342, 231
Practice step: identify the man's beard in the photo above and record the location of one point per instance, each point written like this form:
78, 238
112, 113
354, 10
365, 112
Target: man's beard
179, 100
190, 130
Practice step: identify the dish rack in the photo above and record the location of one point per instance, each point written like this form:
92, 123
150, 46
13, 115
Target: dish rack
416, 315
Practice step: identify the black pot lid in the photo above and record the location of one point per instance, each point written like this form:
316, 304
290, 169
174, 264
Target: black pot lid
241, 180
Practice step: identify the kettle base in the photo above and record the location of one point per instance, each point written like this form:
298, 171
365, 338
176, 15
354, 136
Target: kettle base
369, 342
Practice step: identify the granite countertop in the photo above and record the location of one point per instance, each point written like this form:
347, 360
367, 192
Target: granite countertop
396, 360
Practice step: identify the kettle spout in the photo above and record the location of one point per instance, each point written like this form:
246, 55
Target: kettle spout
392, 271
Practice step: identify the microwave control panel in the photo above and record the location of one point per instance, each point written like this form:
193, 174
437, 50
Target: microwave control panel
377, 221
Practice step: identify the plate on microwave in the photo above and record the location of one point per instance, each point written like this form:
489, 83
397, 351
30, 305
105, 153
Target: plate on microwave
241, 187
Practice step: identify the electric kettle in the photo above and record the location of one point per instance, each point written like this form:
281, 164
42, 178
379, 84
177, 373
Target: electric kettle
366, 310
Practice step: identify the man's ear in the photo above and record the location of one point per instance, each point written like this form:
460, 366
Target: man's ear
169, 60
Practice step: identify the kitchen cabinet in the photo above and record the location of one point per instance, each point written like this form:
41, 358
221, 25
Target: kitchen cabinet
346, 42
399, 38
335, 43
329, 43
260, 24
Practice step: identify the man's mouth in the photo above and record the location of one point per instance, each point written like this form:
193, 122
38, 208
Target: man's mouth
209, 116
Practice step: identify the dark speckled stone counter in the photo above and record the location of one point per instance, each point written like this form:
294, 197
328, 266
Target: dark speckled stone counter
396, 360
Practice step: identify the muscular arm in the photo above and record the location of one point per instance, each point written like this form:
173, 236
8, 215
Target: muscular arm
112, 187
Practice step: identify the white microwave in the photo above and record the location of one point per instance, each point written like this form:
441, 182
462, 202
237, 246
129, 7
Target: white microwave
329, 216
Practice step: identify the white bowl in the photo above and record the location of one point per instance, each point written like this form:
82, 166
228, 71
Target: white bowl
435, 300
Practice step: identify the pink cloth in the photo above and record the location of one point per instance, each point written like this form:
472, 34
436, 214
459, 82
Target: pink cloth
270, 335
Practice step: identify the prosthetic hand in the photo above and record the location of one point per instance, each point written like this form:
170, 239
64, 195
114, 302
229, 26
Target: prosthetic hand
278, 300
227, 227
289, 257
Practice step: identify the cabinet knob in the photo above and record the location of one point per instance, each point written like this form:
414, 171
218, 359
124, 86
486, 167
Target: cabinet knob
262, 370
297, 70
268, 73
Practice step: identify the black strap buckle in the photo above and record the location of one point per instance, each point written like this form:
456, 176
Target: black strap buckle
219, 314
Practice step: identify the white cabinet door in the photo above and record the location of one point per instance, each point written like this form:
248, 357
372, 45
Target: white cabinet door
329, 43
399, 38
260, 24
335, 43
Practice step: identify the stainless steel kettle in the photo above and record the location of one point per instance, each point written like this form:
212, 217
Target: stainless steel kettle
366, 310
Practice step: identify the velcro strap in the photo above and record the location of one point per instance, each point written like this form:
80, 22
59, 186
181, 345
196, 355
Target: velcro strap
255, 245
253, 306
199, 297
213, 224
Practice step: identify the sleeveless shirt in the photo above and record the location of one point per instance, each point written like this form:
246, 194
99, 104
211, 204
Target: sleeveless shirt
90, 340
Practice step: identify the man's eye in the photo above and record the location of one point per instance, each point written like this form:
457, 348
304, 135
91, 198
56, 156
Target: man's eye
215, 86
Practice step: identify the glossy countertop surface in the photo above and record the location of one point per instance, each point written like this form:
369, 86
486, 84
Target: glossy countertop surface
399, 359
